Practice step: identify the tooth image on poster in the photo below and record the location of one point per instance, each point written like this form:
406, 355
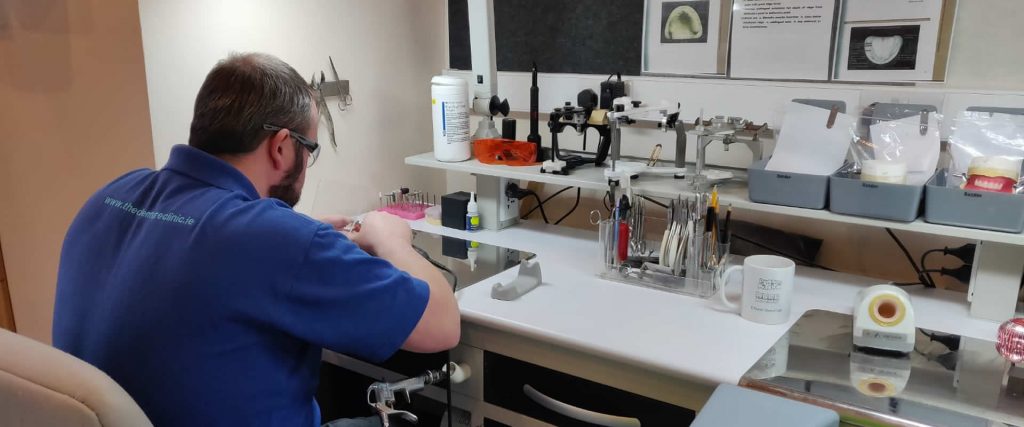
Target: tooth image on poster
684, 22
883, 48
682, 37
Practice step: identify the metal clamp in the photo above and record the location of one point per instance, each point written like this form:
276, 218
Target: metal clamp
381, 395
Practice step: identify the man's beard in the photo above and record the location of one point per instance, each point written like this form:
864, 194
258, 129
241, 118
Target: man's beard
288, 189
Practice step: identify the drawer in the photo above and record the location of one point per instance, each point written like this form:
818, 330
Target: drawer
565, 400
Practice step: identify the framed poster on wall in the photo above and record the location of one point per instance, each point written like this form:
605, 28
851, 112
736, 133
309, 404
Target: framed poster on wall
893, 40
684, 37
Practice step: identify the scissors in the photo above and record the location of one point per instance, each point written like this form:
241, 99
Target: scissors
322, 106
345, 100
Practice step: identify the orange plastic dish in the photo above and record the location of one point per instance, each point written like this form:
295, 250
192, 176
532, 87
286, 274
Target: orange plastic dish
497, 151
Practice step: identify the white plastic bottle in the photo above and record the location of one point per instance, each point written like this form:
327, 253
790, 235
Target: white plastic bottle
472, 214
449, 104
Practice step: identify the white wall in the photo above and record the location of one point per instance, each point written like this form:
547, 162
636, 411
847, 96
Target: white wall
388, 50
985, 68
986, 49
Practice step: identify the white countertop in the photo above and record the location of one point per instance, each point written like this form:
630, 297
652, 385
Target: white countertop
683, 336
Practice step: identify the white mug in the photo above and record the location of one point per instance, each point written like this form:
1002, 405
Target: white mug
767, 288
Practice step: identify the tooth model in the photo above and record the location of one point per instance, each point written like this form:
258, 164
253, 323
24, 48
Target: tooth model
882, 50
683, 24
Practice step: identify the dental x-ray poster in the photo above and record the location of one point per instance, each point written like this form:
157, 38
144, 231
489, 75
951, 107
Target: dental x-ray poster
888, 40
775, 39
681, 37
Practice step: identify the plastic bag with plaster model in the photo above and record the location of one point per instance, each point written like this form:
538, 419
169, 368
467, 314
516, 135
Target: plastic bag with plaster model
987, 151
903, 151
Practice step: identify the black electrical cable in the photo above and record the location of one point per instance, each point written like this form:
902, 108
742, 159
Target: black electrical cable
920, 275
534, 209
923, 256
951, 342
906, 283
573, 209
798, 259
448, 390
576, 203
654, 201
540, 205
447, 353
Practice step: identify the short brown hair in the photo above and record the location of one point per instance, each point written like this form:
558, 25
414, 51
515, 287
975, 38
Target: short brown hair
239, 95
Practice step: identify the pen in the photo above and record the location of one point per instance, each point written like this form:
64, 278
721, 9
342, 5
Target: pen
623, 228
727, 233
711, 231
615, 233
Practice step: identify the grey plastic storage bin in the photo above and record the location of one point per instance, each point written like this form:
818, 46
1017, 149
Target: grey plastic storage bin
851, 196
785, 188
974, 209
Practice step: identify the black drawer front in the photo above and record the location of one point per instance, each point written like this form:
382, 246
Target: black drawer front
504, 378
413, 364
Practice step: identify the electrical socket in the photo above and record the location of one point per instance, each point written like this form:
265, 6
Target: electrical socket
497, 211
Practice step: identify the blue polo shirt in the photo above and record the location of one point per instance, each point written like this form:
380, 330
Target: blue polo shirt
210, 305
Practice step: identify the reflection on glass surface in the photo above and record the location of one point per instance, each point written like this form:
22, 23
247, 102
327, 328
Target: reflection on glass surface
934, 385
471, 261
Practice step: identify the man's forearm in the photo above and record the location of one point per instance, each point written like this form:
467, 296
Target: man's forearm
441, 317
406, 258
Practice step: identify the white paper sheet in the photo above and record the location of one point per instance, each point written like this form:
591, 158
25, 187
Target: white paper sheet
980, 134
781, 40
807, 146
672, 43
901, 140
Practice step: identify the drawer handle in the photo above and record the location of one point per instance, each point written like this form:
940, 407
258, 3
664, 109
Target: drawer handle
578, 414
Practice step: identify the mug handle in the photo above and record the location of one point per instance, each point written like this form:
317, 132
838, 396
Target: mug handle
725, 281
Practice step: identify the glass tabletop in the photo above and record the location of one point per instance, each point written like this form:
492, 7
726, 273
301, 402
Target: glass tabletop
470, 261
948, 380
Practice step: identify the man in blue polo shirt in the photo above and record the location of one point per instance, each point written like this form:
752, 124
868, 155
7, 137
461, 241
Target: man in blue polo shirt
201, 292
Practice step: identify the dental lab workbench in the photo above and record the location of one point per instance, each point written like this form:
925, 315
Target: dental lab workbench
687, 337
647, 343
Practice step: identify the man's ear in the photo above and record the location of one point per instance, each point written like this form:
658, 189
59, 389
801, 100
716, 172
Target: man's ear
277, 149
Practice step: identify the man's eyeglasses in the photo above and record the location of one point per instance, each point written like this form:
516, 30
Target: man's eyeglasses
311, 145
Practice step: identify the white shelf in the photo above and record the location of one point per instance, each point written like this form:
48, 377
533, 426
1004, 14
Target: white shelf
734, 193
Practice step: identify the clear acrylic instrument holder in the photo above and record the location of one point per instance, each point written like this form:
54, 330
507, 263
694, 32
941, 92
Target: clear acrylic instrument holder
642, 267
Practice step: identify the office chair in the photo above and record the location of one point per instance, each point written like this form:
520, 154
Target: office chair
43, 386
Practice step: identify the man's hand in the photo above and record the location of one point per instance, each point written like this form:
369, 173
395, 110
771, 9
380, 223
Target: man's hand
390, 238
381, 232
339, 222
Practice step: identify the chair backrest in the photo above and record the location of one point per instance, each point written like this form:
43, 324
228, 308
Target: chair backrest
43, 386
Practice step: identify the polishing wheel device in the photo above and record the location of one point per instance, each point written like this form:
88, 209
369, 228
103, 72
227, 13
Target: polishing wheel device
883, 319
